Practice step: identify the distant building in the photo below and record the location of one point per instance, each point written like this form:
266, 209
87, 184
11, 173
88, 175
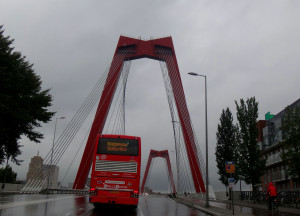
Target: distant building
52, 171
38, 171
35, 165
270, 139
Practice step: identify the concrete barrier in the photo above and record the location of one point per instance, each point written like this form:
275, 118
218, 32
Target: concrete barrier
8, 187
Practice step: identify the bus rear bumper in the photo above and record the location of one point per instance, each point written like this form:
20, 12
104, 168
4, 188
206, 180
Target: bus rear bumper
114, 200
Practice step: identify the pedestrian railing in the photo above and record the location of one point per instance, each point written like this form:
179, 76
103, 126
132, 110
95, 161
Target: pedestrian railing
284, 198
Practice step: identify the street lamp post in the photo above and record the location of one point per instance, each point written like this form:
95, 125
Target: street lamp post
173, 155
176, 151
51, 159
206, 136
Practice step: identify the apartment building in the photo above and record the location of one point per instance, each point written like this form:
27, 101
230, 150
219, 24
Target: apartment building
49, 172
35, 164
270, 142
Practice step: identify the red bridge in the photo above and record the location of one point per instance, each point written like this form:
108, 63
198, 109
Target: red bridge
129, 49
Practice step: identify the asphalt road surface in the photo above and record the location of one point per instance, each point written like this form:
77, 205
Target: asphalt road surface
67, 205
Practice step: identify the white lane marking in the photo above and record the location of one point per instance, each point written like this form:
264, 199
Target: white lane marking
31, 202
140, 211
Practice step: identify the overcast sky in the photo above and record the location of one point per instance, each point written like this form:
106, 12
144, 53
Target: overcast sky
245, 48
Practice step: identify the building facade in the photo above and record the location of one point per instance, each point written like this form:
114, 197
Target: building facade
51, 176
270, 142
35, 164
40, 172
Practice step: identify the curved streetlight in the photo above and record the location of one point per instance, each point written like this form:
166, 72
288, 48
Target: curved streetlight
50, 167
206, 136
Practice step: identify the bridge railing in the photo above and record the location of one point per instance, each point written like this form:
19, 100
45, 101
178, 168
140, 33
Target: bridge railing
63, 191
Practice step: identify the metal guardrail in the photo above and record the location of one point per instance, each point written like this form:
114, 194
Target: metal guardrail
64, 191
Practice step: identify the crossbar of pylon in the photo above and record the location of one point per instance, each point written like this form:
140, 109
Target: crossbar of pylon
161, 49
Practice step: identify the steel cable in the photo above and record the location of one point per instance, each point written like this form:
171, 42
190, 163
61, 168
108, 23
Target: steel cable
126, 55
169, 85
190, 132
170, 99
68, 134
166, 55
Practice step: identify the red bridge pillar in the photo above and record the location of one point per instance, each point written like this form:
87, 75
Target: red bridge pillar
163, 154
161, 49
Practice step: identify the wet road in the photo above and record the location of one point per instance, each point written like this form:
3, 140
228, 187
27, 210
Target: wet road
68, 205
160, 205
247, 210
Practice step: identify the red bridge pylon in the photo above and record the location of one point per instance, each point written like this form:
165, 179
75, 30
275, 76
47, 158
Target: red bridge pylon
161, 49
163, 154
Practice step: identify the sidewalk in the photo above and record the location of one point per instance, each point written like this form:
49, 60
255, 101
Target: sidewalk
247, 203
223, 207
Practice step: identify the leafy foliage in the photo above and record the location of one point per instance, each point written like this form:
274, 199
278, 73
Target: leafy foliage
7, 175
23, 103
251, 165
226, 149
291, 135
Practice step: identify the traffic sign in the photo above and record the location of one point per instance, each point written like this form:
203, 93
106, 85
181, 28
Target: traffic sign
230, 182
230, 166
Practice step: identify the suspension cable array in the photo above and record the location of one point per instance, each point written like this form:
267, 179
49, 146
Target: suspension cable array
116, 126
121, 57
40, 178
183, 172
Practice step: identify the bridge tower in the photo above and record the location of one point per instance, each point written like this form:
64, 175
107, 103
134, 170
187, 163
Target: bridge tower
164, 154
161, 49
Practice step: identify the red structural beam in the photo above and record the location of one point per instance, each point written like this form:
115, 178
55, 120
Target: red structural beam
163, 154
142, 49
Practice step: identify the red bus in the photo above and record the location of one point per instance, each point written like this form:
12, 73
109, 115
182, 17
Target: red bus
116, 170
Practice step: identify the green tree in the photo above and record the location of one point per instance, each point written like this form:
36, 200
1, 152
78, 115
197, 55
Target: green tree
226, 149
291, 136
23, 103
7, 175
251, 165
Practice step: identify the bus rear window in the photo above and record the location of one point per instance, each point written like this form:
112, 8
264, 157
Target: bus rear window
116, 146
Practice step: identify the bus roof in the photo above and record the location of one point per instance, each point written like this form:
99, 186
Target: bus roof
118, 136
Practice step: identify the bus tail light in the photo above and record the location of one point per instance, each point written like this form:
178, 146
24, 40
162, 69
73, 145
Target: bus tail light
135, 194
93, 191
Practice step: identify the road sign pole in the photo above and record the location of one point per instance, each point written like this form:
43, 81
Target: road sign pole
230, 168
232, 198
